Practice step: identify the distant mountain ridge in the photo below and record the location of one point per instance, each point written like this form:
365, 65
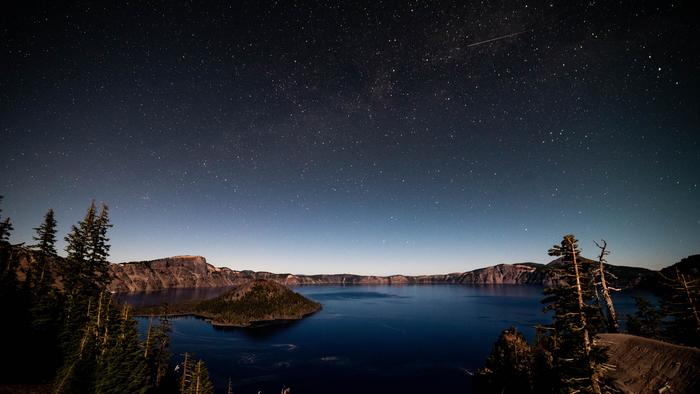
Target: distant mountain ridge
194, 271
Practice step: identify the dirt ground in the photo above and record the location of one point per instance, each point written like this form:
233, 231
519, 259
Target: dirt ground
649, 366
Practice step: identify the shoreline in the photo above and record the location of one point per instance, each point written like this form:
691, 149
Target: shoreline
250, 324
117, 293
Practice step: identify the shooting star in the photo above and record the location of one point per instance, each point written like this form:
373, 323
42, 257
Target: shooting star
499, 38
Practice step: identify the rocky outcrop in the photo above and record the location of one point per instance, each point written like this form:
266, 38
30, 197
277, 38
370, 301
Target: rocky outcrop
194, 271
506, 274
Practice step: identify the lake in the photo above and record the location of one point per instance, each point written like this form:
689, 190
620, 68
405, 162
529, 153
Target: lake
366, 339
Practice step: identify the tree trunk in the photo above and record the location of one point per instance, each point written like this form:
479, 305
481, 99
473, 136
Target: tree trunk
199, 375
183, 382
613, 325
690, 299
582, 316
148, 337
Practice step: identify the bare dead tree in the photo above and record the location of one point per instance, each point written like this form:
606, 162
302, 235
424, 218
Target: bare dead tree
582, 317
185, 374
680, 304
198, 372
688, 294
147, 345
613, 325
685, 287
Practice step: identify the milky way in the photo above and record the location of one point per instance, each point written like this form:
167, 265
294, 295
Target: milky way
349, 137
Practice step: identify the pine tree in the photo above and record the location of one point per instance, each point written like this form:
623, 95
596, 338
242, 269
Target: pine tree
107, 356
46, 246
161, 353
646, 321
79, 286
46, 301
195, 377
121, 367
77, 374
76, 272
680, 303
201, 382
98, 248
5, 228
157, 353
544, 379
14, 302
508, 368
46, 235
97, 352
86, 272
8, 273
577, 359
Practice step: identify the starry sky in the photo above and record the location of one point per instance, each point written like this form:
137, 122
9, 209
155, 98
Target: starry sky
368, 137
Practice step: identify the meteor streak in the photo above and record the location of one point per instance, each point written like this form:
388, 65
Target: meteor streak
498, 38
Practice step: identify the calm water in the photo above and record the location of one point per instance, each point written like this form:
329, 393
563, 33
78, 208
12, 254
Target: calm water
367, 339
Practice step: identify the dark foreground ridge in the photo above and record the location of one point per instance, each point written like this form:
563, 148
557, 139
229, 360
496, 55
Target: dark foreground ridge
252, 303
646, 365
195, 272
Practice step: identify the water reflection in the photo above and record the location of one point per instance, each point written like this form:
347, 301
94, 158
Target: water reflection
366, 339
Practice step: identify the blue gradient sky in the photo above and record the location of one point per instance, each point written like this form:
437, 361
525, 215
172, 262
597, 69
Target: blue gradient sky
362, 138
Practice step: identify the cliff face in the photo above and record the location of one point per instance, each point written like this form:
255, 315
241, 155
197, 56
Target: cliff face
171, 272
194, 271
507, 274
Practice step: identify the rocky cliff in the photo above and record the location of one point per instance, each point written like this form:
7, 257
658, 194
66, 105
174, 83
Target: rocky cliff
170, 272
194, 271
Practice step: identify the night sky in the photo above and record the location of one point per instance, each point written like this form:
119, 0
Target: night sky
376, 138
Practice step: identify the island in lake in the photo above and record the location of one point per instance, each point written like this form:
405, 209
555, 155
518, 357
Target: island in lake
252, 303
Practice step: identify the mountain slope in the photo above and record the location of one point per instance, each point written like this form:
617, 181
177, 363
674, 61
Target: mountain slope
194, 271
646, 365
